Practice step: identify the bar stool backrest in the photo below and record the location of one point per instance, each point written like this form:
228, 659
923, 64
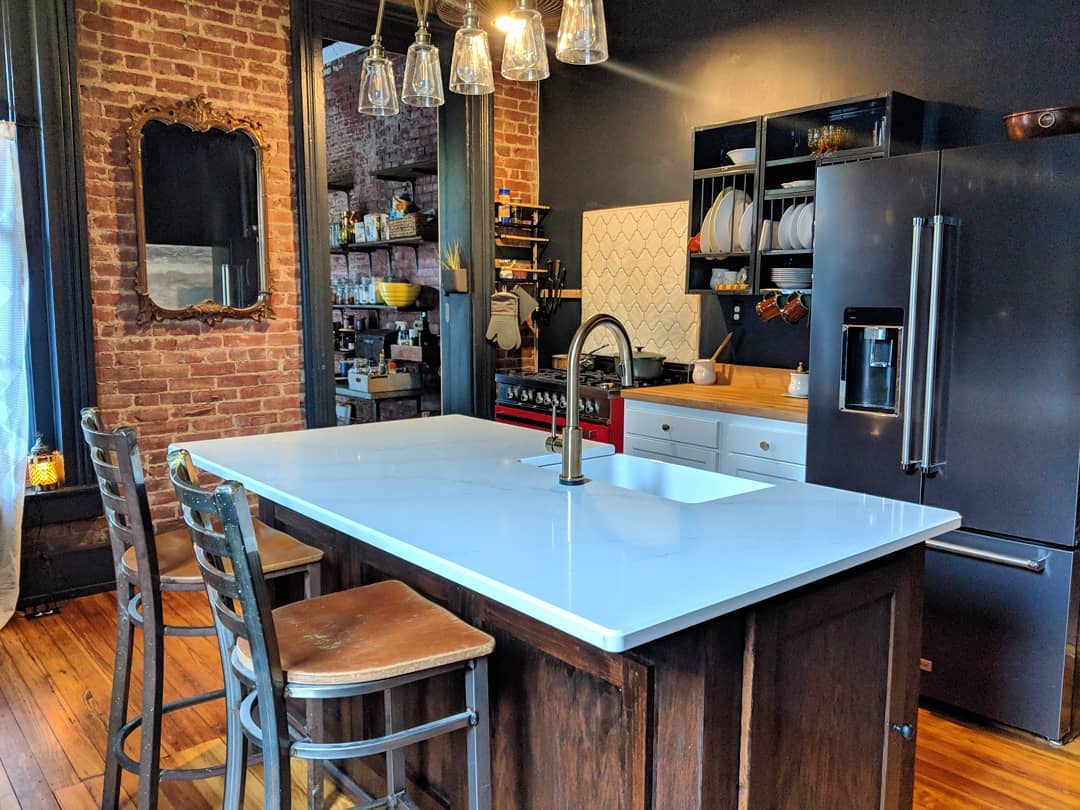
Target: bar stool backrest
229, 562
123, 495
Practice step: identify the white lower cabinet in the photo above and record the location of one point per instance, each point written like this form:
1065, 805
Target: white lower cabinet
767, 450
674, 452
761, 469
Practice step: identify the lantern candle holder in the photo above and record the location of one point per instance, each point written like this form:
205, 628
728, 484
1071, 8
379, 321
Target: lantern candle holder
44, 467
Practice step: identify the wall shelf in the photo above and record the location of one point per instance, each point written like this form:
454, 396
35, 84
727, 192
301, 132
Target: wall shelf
880, 126
724, 171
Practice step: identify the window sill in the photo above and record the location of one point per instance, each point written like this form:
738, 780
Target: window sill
61, 505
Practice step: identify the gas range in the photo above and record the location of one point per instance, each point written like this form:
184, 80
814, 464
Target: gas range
541, 390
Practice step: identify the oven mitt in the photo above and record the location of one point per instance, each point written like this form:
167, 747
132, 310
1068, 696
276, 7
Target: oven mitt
503, 328
527, 305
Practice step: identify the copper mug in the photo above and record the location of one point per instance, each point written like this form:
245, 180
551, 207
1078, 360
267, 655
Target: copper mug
794, 310
768, 307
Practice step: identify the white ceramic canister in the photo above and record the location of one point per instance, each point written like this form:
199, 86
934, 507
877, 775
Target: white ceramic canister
799, 384
704, 371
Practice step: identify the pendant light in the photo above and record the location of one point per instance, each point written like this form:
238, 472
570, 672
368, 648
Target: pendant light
525, 52
582, 38
422, 86
470, 67
378, 96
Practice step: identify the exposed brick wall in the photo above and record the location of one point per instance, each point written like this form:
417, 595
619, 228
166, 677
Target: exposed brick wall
517, 133
517, 167
182, 379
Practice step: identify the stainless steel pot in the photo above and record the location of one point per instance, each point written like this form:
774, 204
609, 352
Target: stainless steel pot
647, 365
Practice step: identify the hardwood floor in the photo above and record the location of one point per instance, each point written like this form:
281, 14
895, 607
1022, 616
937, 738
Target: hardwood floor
55, 676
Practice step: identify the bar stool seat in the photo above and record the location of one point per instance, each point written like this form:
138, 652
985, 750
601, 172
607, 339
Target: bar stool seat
176, 556
369, 633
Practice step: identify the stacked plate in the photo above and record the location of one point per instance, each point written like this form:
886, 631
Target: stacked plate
797, 227
792, 278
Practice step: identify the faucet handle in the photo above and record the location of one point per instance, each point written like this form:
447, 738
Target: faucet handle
554, 441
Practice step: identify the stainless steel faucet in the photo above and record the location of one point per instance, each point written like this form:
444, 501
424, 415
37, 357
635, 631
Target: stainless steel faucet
570, 441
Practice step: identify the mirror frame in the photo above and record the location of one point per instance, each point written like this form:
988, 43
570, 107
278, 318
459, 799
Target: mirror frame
199, 115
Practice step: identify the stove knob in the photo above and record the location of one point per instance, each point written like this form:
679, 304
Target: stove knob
590, 406
511, 392
562, 401
580, 404
543, 397
525, 395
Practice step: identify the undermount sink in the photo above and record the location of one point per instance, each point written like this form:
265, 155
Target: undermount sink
669, 481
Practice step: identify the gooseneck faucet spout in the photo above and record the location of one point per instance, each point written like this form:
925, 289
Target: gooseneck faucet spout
570, 442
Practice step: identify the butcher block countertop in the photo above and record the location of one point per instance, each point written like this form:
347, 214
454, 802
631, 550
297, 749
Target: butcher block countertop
746, 390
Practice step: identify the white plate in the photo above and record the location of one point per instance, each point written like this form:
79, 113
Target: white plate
787, 222
746, 225
707, 223
731, 206
798, 184
804, 227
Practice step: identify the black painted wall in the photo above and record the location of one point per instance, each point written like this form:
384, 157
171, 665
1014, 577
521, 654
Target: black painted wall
619, 133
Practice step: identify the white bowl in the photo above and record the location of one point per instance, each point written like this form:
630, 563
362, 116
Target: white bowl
740, 156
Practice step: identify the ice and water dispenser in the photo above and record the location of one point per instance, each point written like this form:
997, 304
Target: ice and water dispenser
870, 367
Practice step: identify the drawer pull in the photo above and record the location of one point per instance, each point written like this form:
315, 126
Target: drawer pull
763, 445
665, 426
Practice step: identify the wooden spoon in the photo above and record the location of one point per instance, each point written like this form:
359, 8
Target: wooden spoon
721, 347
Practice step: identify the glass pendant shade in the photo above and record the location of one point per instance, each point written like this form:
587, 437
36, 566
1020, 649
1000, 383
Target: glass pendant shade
582, 36
470, 67
422, 86
525, 52
378, 96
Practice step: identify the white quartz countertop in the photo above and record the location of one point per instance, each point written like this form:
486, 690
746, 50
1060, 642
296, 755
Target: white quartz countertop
612, 567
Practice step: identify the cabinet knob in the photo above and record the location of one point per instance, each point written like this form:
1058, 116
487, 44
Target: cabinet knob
665, 426
907, 731
763, 445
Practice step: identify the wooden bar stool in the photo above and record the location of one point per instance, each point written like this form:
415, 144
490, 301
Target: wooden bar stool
370, 639
147, 564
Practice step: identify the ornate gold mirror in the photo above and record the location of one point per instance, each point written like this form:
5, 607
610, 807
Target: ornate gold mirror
200, 207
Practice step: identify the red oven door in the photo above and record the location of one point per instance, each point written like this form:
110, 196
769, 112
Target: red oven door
521, 417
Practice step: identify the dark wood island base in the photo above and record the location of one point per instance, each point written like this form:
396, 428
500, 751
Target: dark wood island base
807, 700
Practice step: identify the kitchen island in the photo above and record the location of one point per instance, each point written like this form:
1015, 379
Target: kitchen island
759, 650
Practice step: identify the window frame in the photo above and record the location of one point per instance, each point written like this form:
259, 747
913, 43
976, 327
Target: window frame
39, 76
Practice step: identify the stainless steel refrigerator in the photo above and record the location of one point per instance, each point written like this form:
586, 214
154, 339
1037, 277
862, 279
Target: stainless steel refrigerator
945, 370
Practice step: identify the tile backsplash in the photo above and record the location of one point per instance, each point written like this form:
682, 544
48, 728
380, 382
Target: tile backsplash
633, 266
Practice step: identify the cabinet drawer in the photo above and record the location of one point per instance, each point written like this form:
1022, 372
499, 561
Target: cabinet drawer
761, 469
671, 452
767, 441
673, 427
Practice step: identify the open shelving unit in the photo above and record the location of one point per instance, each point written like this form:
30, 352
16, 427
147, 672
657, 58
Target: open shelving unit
878, 126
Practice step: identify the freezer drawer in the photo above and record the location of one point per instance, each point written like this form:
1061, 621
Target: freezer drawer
1000, 630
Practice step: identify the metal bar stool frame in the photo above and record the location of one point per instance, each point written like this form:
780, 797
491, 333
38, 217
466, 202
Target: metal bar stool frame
262, 710
122, 486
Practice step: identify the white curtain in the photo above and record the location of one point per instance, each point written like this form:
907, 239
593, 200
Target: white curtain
14, 409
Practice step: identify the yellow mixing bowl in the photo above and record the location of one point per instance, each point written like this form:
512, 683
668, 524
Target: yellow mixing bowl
399, 293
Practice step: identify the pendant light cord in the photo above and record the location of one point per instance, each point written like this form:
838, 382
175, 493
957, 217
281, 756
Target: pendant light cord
378, 20
421, 15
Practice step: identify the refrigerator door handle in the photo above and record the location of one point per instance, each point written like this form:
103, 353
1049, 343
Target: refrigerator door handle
1036, 566
928, 463
908, 358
